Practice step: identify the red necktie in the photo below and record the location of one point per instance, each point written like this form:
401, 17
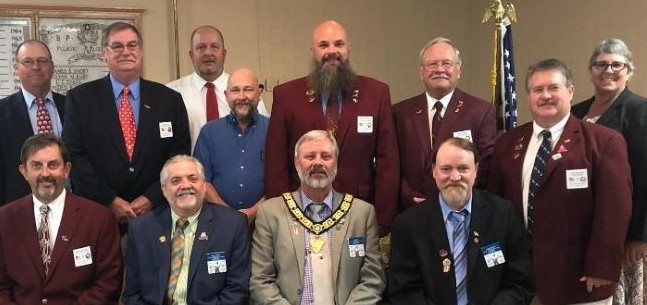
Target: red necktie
127, 121
212, 102
435, 124
43, 121
332, 116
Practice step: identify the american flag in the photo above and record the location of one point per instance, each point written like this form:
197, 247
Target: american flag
506, 95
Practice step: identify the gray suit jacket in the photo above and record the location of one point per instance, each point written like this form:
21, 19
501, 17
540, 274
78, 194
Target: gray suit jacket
278, 255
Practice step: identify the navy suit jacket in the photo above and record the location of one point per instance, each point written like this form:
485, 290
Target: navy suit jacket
148, 258
628, 115
577, 231
419, 245
101, 169
15, 128
464, 112
84, 224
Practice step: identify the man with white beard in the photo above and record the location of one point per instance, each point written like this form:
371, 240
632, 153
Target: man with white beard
315, 245
435, 243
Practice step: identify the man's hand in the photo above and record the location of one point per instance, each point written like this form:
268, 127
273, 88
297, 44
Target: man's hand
122, 209
141, 205
592, 282
635, 251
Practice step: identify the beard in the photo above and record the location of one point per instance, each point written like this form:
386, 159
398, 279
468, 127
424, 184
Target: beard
455, 194
317, 177
333, 79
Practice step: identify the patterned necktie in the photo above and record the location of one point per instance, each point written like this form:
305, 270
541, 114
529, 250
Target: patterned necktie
332, 116
44, 239
212, 102
177, 255
537, 171
459, 250
435, 122
127, 121
315, 210
43, 121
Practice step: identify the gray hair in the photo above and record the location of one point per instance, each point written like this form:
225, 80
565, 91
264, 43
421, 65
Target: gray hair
437, 40
315, 135
613, 46
179, 158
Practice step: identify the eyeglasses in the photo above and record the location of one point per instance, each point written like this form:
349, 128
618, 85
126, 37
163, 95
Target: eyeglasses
433, 65
30, 62
120, 47
602, 66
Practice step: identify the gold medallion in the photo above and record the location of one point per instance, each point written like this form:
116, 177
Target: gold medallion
317, 243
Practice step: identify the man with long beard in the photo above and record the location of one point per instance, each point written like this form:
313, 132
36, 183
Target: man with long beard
436, 242
355, 109
315, 245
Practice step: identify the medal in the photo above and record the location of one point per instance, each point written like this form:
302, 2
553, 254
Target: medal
446, 265
316, 244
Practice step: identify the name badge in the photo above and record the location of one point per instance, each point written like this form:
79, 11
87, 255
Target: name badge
577, 179
356, 246
82, 256
216, 262
493, 254
364, 124
166, 130
464, 134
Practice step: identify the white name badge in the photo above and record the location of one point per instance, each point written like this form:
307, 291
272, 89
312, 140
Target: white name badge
82, 256
364, 124
464, 134
166, 130
577, 179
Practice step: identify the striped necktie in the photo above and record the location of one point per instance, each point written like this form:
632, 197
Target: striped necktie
537, 172
177, 255
459, 250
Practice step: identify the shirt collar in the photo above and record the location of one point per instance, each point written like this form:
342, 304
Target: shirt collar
30, 98
305, 201
443, 100
220, 82
444, 207
555, 131
192, 219
57, 204
117, 87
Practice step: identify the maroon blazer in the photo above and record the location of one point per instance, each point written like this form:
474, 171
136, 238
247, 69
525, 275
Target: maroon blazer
576, 232
368, 162
464, 112
85, 223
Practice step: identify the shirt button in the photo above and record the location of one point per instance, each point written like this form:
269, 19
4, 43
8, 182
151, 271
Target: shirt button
240, 135
241, 185
242, 150
242, 167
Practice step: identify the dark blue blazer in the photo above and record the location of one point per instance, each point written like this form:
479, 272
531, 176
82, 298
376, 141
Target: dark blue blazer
15, 128
148, 257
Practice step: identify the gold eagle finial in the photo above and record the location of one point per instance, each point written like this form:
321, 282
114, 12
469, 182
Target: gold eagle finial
499, 10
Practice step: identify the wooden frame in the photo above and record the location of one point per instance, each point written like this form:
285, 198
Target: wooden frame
73, 35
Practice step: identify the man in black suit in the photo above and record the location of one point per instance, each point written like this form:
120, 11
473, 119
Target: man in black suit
122, 128
464, 246
18, 114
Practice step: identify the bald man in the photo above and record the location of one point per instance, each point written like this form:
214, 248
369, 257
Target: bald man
231, 148
355, 109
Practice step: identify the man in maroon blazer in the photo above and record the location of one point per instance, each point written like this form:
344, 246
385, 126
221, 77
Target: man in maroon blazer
572, 181
56, 248
460, 115
356, 109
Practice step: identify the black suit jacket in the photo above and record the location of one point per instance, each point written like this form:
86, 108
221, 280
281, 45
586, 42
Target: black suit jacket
15, 128
628, 115
100, 167
420, 244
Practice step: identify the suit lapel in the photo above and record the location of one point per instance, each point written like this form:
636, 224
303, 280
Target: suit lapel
437, 233
452, 114
477, 223
146, 116
206, 224
337, 239
298, 240
162, 232
421, 121
27, 224
108, 112
23, 123
69, 221
348, 115
567, 140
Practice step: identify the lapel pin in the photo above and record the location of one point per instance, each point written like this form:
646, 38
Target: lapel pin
340, 224
562, 149
203, 236
518, 147
458, 107
476, 234
557, 156
520, 139
65, 238
567, 141
419, 111
476, 240
311, 99
442, 253
162, 239
354, 100
446, 265
295, 228
147, 106
516, 156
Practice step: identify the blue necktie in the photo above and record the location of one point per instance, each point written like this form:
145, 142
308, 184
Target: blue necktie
459, 250
537, 171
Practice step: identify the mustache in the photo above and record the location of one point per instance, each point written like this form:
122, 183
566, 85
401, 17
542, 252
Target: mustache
186, 192
329, 56
46, 179
317, 169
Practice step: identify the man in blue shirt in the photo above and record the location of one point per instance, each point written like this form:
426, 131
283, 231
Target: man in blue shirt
231, 148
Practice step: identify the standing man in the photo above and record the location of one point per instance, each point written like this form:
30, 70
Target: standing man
231, 148
315, 245
442, 111
55, 247
32, 110
122, 128
203, 91
462, 231
189, 252
572, 182
355, 109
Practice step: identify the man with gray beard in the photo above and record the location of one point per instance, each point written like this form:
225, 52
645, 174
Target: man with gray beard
315, 245
355, 109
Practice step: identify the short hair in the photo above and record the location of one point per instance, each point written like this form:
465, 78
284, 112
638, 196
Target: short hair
437, 40
613, 46
118, 27
315, 135
222, 38
180, 158
40, 141
31, 41
550, 64
461, 143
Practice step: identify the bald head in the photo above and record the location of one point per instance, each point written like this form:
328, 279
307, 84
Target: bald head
242, 76
243, 94
329, 44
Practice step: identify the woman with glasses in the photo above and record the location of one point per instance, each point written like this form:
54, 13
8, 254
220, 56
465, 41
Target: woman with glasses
613, 105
